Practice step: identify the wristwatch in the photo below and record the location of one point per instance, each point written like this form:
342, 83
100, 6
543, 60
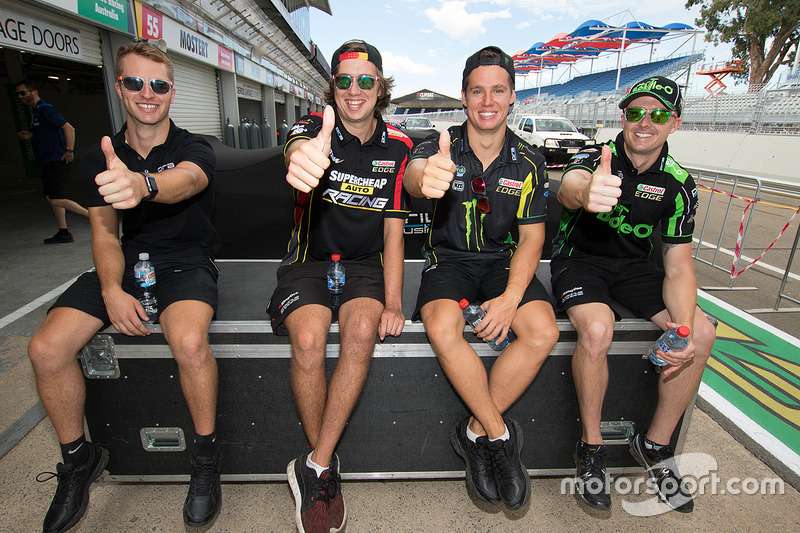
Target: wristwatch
152, 186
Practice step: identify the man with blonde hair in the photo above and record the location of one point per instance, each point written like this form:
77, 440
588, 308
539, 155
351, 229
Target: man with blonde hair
158, 181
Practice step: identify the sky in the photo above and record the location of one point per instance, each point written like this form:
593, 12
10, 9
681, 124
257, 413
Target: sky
424, 43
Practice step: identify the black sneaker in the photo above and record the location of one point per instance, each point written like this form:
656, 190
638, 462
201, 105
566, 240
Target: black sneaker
337, 512
310, 496
479, 470
72, 494
663, 471
60, 238
511, 476
591, 479
205, 492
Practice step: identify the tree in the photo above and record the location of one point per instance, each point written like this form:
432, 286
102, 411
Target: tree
762, 32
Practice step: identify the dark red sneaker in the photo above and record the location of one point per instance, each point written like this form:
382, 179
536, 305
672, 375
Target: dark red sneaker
310, 496
337, 512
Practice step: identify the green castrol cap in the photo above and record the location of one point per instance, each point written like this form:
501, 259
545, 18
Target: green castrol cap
683, 331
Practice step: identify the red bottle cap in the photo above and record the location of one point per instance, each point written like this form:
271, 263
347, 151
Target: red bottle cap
683, 331
463, 303
335, 257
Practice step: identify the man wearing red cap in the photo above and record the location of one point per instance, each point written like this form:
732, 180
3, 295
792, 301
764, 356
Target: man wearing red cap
485, 181
347, 170
614, 199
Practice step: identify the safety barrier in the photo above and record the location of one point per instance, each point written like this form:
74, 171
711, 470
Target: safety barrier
738, 189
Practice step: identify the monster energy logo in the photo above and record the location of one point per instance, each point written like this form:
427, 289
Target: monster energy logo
471, 215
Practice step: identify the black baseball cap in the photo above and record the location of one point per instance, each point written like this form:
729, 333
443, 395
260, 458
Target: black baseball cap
372, 55
664, 89
474, 61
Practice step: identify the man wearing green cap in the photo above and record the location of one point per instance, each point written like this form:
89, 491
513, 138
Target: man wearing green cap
614, 198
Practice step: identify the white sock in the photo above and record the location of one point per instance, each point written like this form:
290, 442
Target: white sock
318, 469
471, 435
505, 435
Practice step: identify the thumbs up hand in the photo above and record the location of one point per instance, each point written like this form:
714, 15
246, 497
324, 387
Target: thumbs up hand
604, 188
119, 186
439, 170
307, 163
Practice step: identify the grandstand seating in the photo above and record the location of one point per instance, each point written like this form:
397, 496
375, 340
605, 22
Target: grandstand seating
600, 82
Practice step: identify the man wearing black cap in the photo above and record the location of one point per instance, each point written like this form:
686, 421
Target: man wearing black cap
346, 167
614, 199
484, 180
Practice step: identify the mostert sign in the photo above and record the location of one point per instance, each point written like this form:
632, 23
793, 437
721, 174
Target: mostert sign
35, 35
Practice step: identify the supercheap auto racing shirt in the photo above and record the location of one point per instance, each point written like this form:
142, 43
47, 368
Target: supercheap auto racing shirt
665, 194
166, 231
362, 186
516, 187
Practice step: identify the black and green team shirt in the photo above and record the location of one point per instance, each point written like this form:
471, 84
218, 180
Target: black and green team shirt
363, 185
516, 187
664, 194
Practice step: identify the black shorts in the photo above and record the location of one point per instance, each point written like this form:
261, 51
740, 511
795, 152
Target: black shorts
54, 179
477, 280
635, 282
193, 279
302, 284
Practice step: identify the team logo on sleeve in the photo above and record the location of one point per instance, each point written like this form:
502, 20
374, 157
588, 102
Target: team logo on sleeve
300, 127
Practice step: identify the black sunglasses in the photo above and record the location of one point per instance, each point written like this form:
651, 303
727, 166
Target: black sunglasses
479, 188
136, 84
344, 81
23, 93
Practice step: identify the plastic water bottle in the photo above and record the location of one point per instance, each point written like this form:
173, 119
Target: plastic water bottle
145, 276
335, 279
473, 314
673, 338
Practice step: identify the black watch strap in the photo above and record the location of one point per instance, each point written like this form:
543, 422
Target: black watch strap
152, 186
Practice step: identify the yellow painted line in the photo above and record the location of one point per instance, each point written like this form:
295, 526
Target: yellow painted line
789, 366
789, 414
776, 380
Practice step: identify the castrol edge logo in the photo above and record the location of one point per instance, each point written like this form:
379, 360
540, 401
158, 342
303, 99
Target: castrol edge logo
648, 192
510, 183
649, 188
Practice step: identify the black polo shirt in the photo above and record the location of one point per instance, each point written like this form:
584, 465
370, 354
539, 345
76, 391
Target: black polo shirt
362, 186
516, 187
166, 231
664, 194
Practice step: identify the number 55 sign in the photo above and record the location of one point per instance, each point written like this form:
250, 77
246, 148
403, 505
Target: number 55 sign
149, 23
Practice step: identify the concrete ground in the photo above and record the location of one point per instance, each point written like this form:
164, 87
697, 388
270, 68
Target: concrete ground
29, 270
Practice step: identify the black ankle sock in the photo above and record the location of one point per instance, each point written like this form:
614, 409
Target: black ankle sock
592, 448
206, 445
76, 452
63, 231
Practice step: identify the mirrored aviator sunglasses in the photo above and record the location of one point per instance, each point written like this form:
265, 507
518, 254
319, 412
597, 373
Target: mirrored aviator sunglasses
136, 84
479, 188
364, 82
657, 116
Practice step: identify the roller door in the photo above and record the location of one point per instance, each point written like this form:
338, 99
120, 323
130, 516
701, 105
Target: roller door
196, 104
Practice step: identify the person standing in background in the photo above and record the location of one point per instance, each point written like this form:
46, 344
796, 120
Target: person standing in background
54, 144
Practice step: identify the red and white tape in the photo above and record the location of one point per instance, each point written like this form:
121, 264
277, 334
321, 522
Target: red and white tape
737, 251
